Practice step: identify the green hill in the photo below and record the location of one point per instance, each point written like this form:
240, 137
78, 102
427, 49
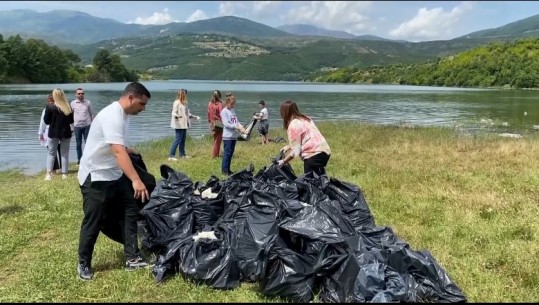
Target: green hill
508, 64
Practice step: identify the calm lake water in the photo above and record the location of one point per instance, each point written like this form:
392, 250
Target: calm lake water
21, 107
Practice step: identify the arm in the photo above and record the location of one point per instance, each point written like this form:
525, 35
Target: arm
125, 164
175, 107
47, 117
90, 111
294, 133
42, 125
209, 113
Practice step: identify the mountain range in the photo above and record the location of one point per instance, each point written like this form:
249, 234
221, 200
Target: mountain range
230, 47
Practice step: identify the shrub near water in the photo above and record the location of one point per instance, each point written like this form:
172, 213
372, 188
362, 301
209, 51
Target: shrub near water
470, 201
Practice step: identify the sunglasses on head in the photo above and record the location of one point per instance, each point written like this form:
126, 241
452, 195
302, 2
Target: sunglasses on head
184, 90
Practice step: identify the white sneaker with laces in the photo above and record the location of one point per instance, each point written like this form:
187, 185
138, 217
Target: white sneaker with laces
48, 177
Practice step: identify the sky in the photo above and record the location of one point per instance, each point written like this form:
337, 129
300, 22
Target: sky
408, 20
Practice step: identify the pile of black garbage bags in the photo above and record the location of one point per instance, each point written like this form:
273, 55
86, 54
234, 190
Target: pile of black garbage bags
296, 236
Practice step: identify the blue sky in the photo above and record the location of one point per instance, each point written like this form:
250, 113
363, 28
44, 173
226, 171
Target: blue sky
409, 20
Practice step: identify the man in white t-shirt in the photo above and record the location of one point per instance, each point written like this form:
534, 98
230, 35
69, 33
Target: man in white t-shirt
107, 176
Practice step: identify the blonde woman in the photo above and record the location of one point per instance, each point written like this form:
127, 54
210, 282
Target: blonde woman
59, 117
180, 121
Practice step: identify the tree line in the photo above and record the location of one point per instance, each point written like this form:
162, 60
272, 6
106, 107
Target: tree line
35, 61
499, 64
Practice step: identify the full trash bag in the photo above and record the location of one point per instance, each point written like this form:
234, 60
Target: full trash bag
296, 236
113, 225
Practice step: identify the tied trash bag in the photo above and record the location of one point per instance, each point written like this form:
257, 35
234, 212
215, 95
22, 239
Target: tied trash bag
169, 213
289, 274
250, 126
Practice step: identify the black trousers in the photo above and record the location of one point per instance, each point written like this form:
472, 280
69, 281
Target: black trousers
316, 163
101, 201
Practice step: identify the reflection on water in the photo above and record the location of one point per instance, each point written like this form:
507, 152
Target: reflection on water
21, 107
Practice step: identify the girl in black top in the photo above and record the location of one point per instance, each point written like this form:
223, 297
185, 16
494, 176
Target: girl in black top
59, 117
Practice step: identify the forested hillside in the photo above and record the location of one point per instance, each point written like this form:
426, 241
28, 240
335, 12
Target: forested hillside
510, 64
35, 61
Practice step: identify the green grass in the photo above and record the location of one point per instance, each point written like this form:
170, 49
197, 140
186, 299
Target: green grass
472, 202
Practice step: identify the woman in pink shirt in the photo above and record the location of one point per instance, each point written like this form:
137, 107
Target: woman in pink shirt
214, 115
304, 140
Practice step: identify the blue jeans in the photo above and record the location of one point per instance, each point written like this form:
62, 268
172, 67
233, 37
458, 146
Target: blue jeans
228, 151
81, 132
179, 140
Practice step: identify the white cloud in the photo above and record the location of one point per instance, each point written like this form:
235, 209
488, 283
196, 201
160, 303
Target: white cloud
431, 24
197, 15
249, 9
346, 16
156, 18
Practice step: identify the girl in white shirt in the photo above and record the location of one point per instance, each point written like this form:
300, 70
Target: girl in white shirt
180, 121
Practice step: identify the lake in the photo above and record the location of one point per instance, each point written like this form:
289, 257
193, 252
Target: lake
513, 111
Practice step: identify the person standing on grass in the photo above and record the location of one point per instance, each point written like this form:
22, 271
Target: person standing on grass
180, 121
231, 127
107, 176
304, 140
59, 117
43, 136
214, 118
263, 124
83, 115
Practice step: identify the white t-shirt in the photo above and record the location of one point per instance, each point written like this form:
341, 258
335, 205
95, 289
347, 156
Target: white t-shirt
264, 113
110, 126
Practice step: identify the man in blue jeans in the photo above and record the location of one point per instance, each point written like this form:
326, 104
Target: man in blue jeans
83, 116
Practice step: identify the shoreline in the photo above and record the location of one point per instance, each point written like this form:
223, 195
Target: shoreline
457, 130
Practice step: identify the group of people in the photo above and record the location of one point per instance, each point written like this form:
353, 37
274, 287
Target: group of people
106, 174
223, 122
59, 120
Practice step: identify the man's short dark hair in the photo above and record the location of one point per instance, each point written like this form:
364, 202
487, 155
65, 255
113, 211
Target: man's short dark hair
262, 103
137, 89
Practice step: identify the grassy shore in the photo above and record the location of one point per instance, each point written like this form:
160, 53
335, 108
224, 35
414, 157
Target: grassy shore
471, 201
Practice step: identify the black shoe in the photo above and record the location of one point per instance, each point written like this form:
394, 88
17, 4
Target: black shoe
85, 272
136, 263
228, 173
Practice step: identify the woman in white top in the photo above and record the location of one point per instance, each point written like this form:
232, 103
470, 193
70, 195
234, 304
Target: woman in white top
43, 136
180, 121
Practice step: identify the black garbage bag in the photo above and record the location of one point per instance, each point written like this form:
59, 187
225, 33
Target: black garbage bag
167, 262
207, 211
432, 283
288, 274
113, 225
255, 234
337, 265
323, 222
249, 127
352, 202
147, 178
212, 262
169, 214
273, 173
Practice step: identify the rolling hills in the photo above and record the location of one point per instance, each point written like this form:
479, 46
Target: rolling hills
233, 48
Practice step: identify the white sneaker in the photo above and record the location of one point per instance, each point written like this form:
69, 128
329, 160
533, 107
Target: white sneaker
186, 157
48, 177
172, 159
64, 177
